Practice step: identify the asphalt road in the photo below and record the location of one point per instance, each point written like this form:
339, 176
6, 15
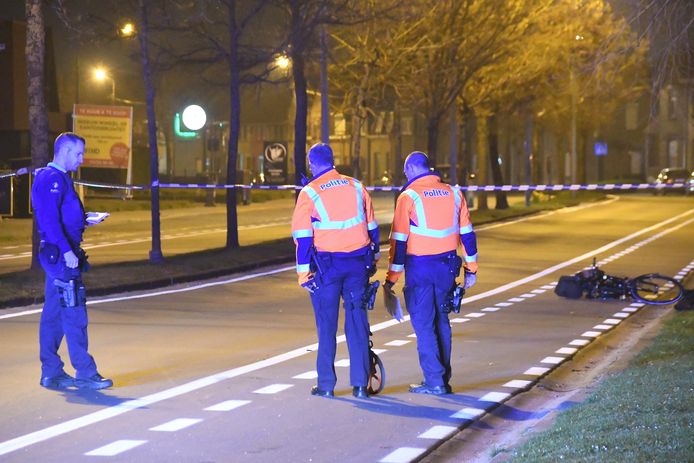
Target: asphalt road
220, 371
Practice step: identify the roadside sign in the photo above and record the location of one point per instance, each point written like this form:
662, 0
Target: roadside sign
108, 134
275, 163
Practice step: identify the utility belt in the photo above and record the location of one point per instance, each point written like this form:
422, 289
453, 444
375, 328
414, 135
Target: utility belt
51, 254
71, 288
454, 298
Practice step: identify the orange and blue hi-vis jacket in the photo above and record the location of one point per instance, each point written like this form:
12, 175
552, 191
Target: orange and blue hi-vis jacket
431, 218
333, 213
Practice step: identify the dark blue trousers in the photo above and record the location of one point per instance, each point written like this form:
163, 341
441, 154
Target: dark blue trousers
58, 322
346, 277
428, 280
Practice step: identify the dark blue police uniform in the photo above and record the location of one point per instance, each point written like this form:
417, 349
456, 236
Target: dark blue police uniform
346, 275
61, 221
428, 281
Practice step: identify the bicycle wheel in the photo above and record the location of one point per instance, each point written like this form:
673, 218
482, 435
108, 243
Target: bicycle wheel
377, 375
656, 289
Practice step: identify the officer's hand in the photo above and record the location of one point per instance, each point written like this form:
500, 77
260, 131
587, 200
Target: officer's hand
71, 259
471, 267
388, 287
470, 279
311, 286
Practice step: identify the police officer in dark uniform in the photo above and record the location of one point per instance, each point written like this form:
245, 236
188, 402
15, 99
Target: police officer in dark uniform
61, 221
431, 221
336, 236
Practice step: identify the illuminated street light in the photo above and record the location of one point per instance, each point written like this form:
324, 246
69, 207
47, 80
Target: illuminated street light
101, 74
282, 62
127, 29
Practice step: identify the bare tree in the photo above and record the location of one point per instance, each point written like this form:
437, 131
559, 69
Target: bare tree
35, 52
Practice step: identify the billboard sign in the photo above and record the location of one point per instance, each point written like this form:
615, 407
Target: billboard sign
108, 134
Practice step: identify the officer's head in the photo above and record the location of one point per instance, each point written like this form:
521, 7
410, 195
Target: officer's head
320, 158
417, 163
68, 151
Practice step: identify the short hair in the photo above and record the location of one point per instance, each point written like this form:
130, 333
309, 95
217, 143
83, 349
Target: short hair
418, 159
66, 138
321, 154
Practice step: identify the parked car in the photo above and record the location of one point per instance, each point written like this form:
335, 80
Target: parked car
671, 175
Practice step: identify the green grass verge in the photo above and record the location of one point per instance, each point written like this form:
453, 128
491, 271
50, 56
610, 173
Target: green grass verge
642, 414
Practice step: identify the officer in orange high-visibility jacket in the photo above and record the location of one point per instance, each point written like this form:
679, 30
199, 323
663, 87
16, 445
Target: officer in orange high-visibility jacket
431, 220
336, 238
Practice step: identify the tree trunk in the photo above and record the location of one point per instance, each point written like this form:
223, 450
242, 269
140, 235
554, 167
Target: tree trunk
482, 158
155, 254
495, 159
432, 138
299, 117
324, 104
528, 150
234, 129
453, 155
35, 51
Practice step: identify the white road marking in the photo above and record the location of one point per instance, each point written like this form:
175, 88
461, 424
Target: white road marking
438, 432
176, 425
553, 360
620, 315
517, 384
459, 320
546, 287
114, 448
538, 291
630, 309
528, 295
397, 343
491, 309
308, 375
579, 342
516, 299
536, 371
637, 304
591, 334
227, 405
612, 321
468, 413
603, 327
503, 304
273, 389
413, 335
495, 397
402, 455
342, 363
379, 351
474, 315
566, 351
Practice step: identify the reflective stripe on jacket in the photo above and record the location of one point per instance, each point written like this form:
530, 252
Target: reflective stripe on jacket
334, 213
430, 218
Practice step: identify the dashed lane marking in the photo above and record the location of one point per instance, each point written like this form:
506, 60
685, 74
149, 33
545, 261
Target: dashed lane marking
273, 389
536, 371
494, 397
438, 432
342, 363
397, 343
308, 375
402, 455
176, 425
579, 342
227, 405
517, 384
115, 448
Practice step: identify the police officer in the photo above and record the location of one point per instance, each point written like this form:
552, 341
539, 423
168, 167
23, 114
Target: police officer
336, 238
431, 220
61, 220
